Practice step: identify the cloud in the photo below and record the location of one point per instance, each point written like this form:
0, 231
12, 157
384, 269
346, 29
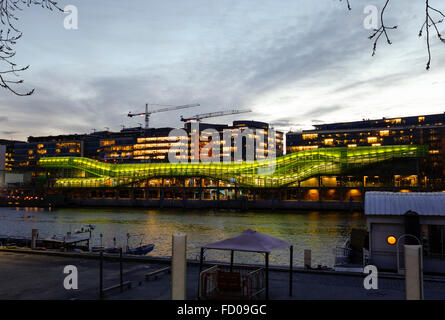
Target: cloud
295, 63
9, 132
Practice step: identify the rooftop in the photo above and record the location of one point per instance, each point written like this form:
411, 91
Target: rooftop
398, 203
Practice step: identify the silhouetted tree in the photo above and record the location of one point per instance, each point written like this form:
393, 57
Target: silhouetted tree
9, 35
433, 17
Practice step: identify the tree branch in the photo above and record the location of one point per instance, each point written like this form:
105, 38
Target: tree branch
433, 17
10, 34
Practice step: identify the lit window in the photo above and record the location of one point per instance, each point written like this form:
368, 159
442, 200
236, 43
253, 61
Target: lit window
372, 139
309, 136
301, 148
384, 133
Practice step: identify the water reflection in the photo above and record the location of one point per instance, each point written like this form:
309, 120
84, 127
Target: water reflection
319, 231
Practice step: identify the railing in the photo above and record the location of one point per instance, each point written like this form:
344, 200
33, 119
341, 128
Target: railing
225, 282
207, 281
255, 283
366, 257
342, 255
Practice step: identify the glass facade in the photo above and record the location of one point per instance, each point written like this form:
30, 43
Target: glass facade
426, 130
282, 171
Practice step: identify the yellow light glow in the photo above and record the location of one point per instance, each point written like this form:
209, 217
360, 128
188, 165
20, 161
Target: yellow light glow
391, 240
310, 136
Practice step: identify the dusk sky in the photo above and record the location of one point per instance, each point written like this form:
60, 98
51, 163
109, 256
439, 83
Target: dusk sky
293, 62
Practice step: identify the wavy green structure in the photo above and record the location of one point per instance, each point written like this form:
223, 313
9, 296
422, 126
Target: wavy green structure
278, 172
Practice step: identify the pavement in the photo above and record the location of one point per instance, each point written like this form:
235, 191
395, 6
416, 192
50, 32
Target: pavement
31, 276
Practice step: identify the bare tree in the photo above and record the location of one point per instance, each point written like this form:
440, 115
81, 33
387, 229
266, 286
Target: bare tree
9, 35
433, 17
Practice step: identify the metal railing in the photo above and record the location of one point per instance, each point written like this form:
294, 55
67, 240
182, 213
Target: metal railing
225, 282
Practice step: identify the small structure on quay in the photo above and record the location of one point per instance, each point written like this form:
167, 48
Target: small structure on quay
241, 282
395, 219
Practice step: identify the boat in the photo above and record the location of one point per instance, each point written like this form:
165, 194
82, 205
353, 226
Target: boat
113, 249
141, 249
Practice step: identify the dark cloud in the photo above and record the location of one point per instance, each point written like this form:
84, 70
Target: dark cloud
323, 111
231, 60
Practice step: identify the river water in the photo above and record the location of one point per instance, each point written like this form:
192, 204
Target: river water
319, 231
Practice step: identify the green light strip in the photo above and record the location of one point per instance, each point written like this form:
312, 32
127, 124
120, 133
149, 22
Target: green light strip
282, 171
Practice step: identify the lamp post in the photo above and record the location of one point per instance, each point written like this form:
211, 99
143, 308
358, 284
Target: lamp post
397, 248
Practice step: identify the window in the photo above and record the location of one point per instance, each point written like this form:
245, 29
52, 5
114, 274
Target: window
434, 240
310, 136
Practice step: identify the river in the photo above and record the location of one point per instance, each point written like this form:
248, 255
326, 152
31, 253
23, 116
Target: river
319, 231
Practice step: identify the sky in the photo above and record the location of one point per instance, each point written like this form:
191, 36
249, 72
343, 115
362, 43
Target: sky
294, 63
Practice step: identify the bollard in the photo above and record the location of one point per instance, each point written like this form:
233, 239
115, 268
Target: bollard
121, 270
307, 259
179, 266
101, 275
34, 235
413, 272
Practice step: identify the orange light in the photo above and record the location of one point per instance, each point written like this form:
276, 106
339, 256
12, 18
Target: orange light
391, 240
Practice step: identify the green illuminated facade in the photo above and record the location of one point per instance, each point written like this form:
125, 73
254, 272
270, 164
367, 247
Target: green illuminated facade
280, 172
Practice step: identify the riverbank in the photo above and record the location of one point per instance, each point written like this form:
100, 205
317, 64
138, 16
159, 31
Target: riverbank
40, 276
318, 231
231, 204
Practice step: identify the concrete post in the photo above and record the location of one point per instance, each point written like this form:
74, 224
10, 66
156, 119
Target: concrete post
179, 266
413, 272
307, 258
34, 234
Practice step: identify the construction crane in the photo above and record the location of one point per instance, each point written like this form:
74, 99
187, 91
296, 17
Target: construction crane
199, 117
148, 113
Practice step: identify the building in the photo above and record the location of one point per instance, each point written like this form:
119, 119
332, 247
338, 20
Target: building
395, 219
288, 171
245, 137
7, 177
154, 147
426, 130
129, 145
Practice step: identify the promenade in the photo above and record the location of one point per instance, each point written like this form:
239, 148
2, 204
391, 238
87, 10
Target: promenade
36, 276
